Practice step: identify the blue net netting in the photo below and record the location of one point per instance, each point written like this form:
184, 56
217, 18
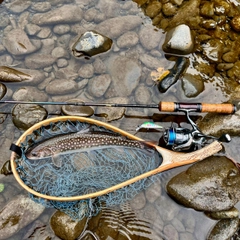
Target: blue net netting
85, 170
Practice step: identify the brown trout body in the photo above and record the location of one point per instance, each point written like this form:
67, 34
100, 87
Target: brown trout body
74, 141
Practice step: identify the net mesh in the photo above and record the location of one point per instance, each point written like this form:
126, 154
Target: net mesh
83, 171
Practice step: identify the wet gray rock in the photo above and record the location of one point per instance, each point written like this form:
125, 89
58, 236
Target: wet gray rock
115, 27
224, 229
26, 115
39, 61
127, 40
98, 85
32, 29
4, 19
65, 227
18, 6
35, 76
192, 85
142, 94
150, 61
150, 42
170, 232
138, 202
61, 87
209, 185
111, 113
167, 209
3, 90
109, 8
218, 124
91, 43
17, 43
59, 52
179, 40
125, 73
45, 32
29, 94
86, 71
153, 191
99, 66
64, 14
17, 214
61, 29
82, 111
41, 6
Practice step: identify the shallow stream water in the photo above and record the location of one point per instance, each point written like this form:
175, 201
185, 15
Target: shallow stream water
168, 219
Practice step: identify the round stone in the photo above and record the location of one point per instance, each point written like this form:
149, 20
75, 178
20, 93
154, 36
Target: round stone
82, 111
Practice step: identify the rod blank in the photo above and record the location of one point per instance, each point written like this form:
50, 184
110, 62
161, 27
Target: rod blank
162, 106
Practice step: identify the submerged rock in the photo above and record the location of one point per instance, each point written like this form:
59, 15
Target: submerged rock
3, 90
82, 111
64, 14
224, 229
125, 73
26, 115
112, 113
8, 74
209, 185
17, 43
91, 43
17, 214
179, 40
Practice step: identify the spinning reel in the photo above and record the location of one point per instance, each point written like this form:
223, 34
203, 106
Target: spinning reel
182, 139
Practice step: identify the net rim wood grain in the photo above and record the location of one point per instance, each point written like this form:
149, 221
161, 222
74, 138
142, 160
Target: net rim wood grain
169, 158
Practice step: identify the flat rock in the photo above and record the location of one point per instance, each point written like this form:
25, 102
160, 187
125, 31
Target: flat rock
82, 111
61, 15
17, 214
29, 93
98, 85
150, 42
39, 61
111, 113
61, 86
125, 73
115, 27
17, 43
209, 185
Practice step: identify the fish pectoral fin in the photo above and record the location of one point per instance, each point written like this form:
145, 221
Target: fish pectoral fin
56, 160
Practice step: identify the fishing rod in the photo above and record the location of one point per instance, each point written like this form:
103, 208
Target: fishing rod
161, 106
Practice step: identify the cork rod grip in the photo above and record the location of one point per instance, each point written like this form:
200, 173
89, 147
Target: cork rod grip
197, 107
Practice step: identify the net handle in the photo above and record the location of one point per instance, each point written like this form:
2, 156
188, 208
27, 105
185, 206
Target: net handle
170, 159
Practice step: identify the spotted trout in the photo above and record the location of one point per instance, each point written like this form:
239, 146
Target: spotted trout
75, 141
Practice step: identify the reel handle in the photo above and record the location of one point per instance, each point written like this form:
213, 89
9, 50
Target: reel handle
197, 107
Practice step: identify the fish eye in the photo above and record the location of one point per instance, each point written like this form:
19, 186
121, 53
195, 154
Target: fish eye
34, 154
